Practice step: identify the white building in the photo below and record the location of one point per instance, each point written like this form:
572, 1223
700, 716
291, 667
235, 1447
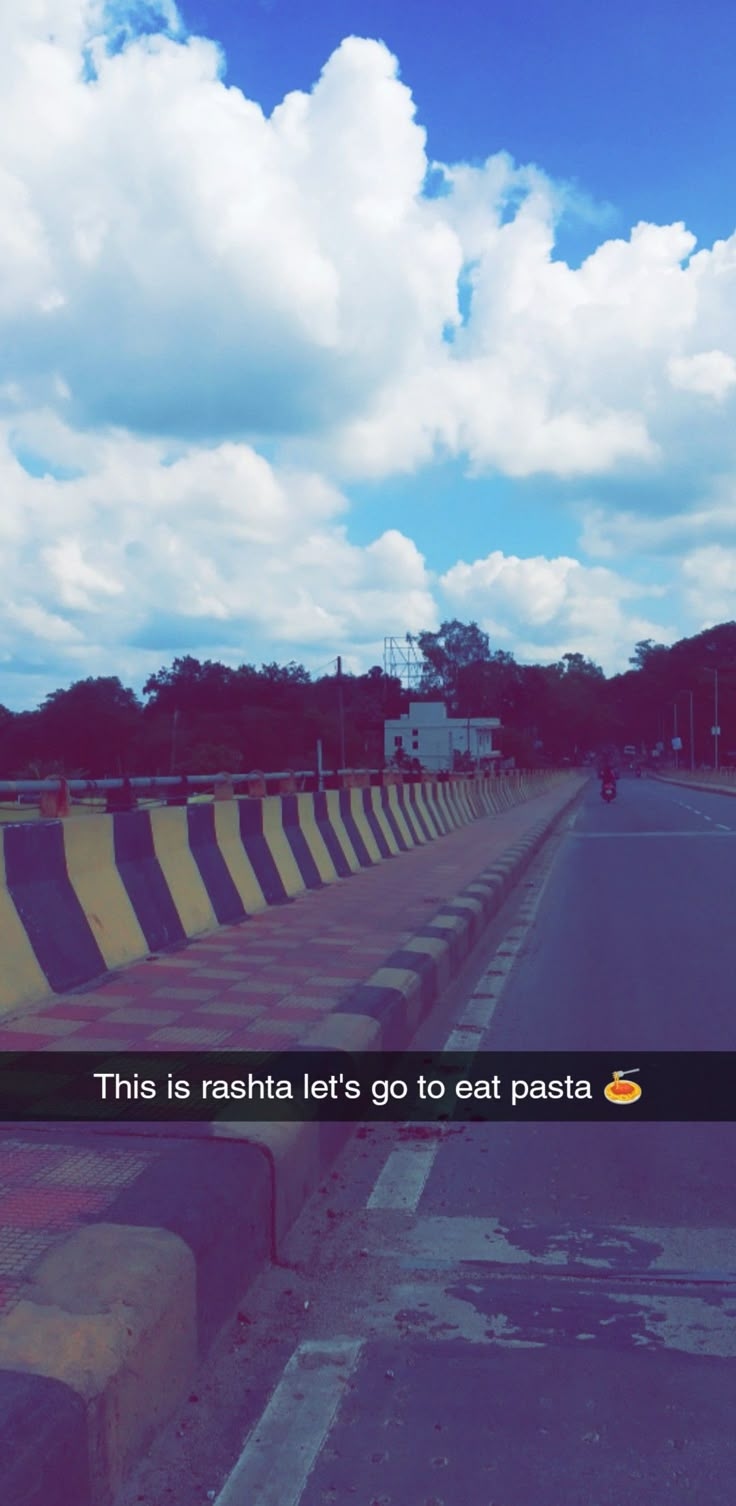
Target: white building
426, 732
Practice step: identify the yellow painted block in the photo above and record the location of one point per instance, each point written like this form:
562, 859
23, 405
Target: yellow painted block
314, 839
380, 816
89, 847
22, 979
357, 812
171, 845
239, 866
334, 816
278, 846
398, 815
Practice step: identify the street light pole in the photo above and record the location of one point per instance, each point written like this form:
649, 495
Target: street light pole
692, 734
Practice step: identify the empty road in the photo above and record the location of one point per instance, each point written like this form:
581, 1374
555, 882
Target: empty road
514, 1314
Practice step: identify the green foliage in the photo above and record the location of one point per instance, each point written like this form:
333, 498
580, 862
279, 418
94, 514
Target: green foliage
206, 717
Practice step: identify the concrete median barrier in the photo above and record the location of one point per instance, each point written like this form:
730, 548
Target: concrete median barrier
82, 899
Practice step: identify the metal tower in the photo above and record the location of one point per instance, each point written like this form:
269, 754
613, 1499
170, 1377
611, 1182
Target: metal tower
401, 660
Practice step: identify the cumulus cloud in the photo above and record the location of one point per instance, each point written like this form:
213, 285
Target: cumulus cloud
711, 373
188, 284
545, 605
709, 577
189, 266
207, 549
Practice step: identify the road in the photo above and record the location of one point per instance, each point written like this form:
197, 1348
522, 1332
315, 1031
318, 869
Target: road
491, 1315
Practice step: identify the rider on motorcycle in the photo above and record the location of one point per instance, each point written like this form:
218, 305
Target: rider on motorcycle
607, 775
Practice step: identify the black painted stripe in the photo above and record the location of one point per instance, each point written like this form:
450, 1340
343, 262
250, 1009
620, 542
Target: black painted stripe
404, 806
391, 819
55, 923
459, 816
375, 825
44, 1442
142, 875
423, 964
259, 852
431, 795
329, 835
348, 820
414, 801
298, 843
214, 872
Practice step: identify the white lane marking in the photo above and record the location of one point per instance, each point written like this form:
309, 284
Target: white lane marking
402, 1179
278, 1455
721, 826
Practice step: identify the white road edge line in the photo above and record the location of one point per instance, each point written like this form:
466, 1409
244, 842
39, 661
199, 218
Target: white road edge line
403, 1177
279, 1453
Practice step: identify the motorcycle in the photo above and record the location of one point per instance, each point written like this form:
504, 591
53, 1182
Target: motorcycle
608, 792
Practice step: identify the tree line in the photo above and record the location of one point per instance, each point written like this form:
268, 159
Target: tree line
205, 717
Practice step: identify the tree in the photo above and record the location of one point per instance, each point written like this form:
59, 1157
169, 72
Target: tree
88, 729
456, 647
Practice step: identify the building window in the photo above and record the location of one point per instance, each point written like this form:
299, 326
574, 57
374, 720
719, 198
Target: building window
398, 742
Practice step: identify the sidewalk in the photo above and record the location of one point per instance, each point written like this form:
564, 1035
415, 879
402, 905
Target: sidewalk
123, 1249
262, 983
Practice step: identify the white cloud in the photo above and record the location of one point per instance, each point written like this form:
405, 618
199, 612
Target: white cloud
187, 283
710, 373
213, 547
709, 577
554, 606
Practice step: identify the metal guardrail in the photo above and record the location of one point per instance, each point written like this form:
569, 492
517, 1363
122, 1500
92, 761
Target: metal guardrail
157, 781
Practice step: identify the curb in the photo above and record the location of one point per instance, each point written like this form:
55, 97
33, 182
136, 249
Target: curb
690, 784
101, 1350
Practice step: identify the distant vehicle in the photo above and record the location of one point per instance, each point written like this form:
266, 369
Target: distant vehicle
630, 750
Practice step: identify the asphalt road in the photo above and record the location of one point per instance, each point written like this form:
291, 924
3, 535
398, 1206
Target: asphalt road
498, 1314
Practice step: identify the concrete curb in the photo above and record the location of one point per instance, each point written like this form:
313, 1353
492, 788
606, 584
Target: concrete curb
82, 899
102, 1349
691, 784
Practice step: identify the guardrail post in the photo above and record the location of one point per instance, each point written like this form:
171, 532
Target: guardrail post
224, 787
56, 804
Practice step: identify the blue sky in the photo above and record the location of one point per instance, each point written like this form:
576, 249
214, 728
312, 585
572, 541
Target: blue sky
326, 322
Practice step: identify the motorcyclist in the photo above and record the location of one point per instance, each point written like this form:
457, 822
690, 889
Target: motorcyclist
607, 775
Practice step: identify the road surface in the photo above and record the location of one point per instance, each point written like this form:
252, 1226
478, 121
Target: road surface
514, 1314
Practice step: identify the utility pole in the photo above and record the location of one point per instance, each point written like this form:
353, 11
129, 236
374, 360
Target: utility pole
174, 730
674, 739
716, 728
692, 733
341, 708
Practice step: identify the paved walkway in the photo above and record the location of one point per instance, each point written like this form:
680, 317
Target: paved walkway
255, 986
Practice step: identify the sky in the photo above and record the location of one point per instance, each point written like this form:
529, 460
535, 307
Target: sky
322, 323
